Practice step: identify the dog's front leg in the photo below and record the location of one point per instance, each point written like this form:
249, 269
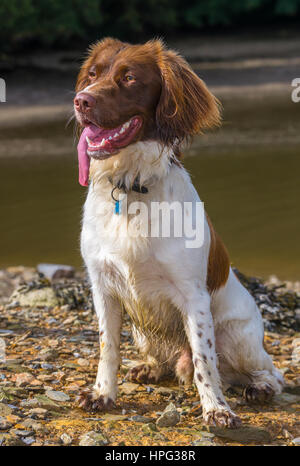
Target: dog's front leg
200, 332
104, 392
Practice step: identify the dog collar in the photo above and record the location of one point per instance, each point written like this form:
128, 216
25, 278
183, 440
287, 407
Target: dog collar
135, 187
121, 186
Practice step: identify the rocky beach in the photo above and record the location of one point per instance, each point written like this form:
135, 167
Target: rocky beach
49, 353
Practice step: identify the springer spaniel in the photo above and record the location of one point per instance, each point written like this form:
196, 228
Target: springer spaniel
191, 317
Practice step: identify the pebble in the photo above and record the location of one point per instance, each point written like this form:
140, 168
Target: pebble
205, 442
46, 366
21, 433
57, 396
164, 391
24, 379
170, 417
138, 418
66, 439
48, 354
32, 424
35, 298
28, 440
56, 271
38, 411
4, 424
296, 441
149, 428
92, 438
128, 388
244, 434
83, 362
286, 398
40, 401
10, 440
5, 410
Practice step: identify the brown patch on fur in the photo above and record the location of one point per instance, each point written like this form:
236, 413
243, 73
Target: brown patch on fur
186, 106
199, 377
218, 262
184, 366
172, 100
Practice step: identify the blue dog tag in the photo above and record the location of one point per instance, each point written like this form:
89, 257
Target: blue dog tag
117, 207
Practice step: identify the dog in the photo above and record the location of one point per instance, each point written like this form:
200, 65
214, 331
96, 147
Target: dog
191, 318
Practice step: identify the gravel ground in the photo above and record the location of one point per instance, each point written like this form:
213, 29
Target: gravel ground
49, 351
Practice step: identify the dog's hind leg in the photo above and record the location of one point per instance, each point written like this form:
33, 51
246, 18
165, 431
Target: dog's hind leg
149, 370
239, 342
159, 361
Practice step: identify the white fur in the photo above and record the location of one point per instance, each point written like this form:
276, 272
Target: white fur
163, 285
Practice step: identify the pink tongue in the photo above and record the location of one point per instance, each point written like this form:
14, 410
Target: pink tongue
84, 161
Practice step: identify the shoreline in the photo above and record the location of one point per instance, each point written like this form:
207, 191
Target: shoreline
278, 300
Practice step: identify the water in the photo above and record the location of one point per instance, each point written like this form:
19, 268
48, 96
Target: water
246, 173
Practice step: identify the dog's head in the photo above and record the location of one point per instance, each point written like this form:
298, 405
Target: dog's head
128, 93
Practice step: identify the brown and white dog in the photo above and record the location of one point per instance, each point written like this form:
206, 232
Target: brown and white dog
191, 317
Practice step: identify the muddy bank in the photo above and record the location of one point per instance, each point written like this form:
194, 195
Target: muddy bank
50, 353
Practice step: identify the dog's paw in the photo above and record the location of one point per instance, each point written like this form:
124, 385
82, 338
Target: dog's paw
258, 394
143, 373
222, 418
90, 401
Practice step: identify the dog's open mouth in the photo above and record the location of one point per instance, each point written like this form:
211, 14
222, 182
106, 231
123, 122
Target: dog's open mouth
103, 142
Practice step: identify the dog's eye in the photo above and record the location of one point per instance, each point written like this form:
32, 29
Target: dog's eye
128, 78
92, 74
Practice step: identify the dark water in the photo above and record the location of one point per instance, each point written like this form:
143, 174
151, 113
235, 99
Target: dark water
251, 192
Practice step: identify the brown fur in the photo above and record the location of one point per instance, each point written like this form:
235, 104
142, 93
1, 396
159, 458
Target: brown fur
173, 102
218, 262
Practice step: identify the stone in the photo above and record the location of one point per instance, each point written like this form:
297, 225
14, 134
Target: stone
36, 298
128, 388
32, 424
28, 440
46, 366
286, 398
55, 271
142, 419
41, 401
21, 433
66, 439
169, 418
5, 410
17, 368
9, 440
24, 379
83, 362
48, 354
13, 392
203, 442
57, 396
296, 441
149, 427
38, 411
244, 434
164, 391
5, 397
92, 438
4, 424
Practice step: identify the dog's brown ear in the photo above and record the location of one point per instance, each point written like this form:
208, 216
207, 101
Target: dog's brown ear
186, 107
